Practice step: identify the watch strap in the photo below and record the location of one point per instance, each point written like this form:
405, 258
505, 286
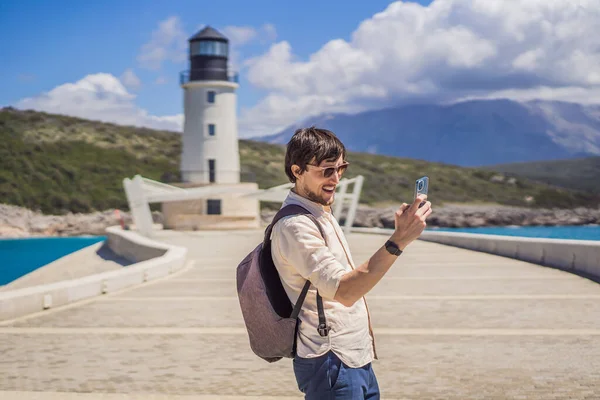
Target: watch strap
392, 248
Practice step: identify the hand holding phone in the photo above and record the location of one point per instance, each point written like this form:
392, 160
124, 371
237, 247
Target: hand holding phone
407, 227
421, 187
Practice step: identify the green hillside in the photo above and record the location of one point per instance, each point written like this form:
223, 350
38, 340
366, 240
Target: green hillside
58, 164
579, 174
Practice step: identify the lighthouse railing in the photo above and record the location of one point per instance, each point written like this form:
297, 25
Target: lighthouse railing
184, 76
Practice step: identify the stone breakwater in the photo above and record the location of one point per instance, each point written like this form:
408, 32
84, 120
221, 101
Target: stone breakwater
21, 222
463, 216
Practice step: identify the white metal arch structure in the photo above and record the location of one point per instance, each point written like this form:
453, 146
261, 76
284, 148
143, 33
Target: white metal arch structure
140, 192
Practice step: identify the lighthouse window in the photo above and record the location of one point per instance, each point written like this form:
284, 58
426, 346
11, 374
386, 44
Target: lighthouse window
211, 130
213, 207
210, 96
211, 170
209, 48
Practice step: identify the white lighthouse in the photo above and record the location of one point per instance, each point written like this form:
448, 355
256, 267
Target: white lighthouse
210, 140
210, 156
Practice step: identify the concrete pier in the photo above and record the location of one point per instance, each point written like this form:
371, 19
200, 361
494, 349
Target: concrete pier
450, 323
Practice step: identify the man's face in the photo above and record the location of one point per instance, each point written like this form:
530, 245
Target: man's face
313, 185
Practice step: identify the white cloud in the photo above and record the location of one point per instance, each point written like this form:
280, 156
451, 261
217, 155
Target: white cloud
161, 80
168, 43
528, 61
240, 36
269, 33
130, 79
571, 94
99, 97
449, 50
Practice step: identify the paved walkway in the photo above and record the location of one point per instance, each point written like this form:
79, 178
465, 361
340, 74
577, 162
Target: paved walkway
449, 324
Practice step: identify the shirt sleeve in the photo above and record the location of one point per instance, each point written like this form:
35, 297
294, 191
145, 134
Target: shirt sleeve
302, 246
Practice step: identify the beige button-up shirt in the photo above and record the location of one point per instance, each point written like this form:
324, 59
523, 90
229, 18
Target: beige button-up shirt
300, 253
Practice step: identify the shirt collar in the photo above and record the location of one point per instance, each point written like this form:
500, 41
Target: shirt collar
315, 208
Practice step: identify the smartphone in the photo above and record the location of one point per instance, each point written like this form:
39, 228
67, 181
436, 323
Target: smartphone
421, 187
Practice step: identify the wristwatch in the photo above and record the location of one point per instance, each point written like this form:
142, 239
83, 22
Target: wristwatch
392, 248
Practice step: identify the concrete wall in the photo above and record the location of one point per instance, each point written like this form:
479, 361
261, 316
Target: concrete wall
152, 260
577, 256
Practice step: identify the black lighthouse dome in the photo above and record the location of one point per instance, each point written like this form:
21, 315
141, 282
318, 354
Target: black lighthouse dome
209, 51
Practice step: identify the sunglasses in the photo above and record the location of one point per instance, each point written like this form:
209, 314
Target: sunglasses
328, 171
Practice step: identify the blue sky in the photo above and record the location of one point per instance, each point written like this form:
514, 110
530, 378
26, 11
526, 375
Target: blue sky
58, 42
351, 55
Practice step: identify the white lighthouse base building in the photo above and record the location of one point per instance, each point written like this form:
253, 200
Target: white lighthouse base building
222, 211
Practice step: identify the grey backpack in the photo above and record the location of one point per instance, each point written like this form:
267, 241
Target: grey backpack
271, 321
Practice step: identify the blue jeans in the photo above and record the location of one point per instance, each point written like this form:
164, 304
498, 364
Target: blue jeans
327, 377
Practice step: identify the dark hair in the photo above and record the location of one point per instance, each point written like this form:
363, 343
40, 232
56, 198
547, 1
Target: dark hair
309, 143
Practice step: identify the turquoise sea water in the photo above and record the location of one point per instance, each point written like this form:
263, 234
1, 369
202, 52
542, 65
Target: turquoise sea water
21, 256
587, 232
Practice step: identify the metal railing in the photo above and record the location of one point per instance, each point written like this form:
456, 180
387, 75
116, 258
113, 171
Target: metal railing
207, 74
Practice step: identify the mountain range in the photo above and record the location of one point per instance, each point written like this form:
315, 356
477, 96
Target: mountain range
471, 133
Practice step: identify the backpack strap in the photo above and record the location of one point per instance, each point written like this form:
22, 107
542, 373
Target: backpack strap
294, 209
290, 209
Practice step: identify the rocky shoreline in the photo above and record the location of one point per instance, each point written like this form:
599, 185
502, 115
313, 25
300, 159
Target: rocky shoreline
21, 222
463, 216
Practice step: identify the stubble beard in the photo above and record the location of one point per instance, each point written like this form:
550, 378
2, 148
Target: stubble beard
316, 198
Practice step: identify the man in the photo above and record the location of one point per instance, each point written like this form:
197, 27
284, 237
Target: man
336, 365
